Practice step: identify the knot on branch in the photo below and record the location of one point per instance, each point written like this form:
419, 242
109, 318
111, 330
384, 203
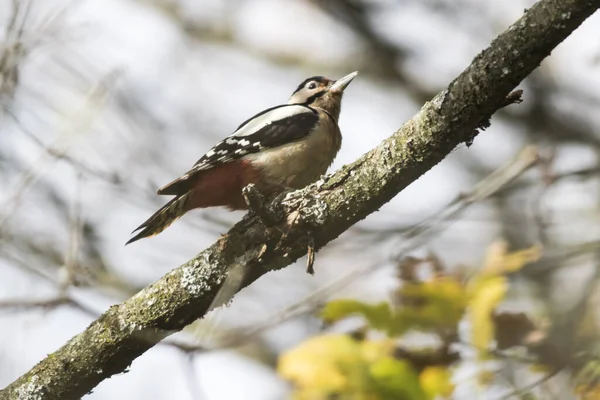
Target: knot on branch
306, 204
514, 97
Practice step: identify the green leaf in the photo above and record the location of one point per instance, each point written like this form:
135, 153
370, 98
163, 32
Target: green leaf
438, 304
396, 380
378, 316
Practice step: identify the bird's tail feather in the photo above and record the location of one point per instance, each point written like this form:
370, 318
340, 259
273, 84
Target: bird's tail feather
160, 220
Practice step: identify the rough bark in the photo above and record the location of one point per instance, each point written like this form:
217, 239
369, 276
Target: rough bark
321, 212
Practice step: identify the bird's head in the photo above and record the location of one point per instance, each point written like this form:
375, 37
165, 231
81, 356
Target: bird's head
323, 93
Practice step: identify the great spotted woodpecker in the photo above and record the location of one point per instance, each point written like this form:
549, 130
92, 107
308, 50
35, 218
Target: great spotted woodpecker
284, 147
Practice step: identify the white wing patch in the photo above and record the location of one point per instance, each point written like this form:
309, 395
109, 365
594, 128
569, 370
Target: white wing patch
241, 142
274, 115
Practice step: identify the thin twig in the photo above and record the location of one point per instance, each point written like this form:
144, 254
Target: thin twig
310, 256
81, 119
532, 385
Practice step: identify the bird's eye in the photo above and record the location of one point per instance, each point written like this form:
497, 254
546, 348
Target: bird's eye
313, 85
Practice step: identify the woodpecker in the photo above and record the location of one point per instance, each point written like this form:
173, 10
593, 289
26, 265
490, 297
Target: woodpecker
284, 147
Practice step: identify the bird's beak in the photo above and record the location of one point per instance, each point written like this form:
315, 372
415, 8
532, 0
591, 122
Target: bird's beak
342, 83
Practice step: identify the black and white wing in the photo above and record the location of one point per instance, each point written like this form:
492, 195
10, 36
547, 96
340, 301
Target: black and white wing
271, 128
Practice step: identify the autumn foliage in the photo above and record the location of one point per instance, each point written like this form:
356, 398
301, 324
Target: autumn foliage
461, 313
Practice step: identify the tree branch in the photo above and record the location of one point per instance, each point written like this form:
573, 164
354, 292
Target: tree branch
320, 212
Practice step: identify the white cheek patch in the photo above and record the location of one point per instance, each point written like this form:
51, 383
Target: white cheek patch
277, 114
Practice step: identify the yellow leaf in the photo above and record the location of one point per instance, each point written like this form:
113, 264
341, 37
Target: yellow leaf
589, 394
373, 350
498, 261
488, 288
329, 363
435, 381
337, 365
485, 297
587, 380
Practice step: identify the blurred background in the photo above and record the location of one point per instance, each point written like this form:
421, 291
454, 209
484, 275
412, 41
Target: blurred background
104, 101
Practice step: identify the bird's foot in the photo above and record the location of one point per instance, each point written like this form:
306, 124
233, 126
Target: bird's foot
269, 213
